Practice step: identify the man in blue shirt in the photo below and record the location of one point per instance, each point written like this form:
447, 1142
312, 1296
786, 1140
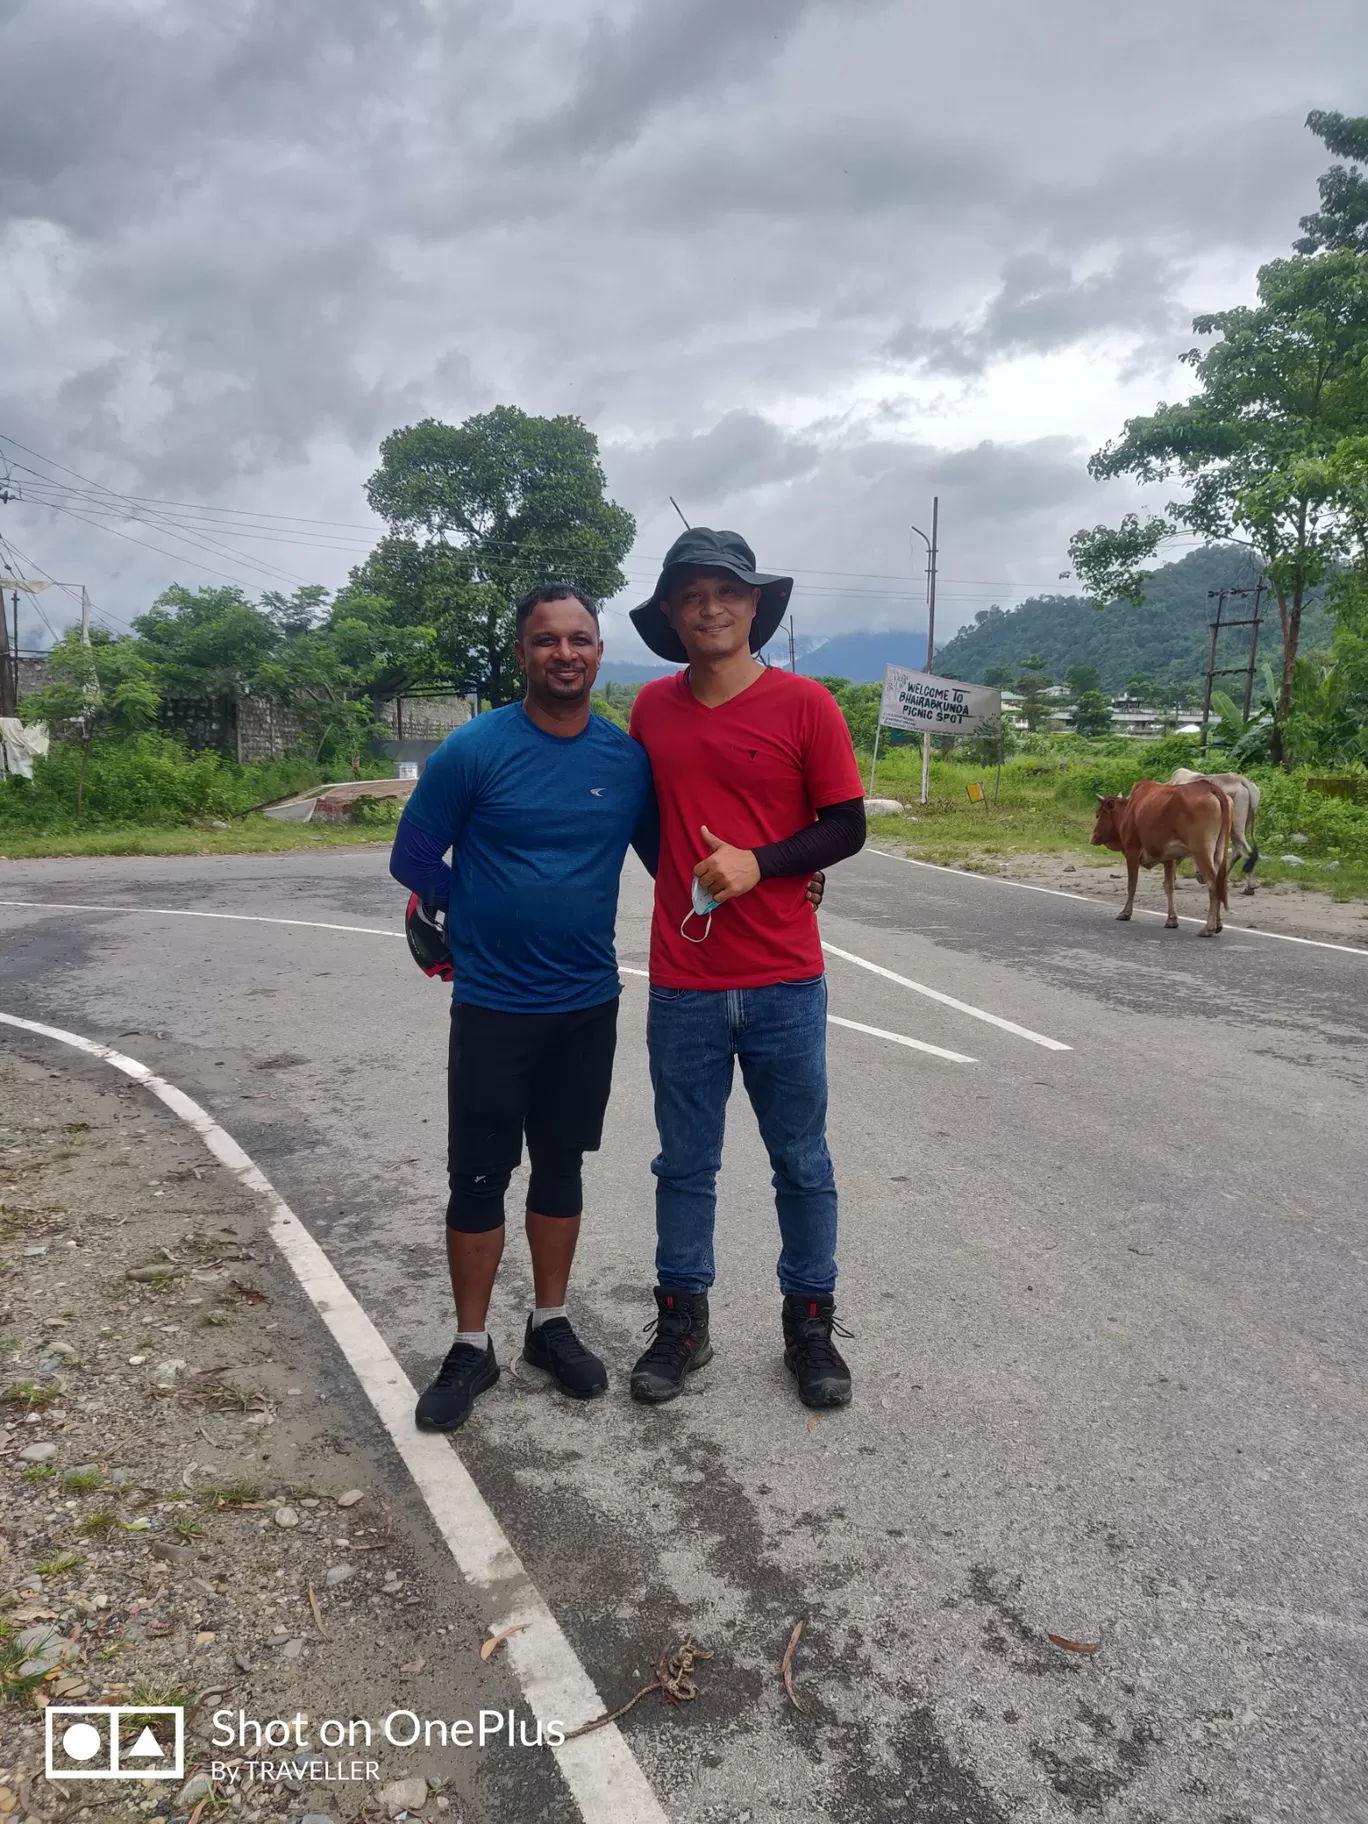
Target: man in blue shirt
537, 803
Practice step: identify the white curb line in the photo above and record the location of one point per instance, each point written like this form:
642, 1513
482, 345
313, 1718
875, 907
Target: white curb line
604, 1778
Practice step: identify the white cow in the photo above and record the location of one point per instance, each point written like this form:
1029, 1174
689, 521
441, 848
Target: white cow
1244, 808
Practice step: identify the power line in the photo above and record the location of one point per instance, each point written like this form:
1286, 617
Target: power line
273, 571
259, 526
70, 589
171, 528
270, 524
23, 564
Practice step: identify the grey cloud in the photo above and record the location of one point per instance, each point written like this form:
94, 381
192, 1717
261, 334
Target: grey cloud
835, 506
119, 109
239, 243
1040, 307
658, 59
741, 452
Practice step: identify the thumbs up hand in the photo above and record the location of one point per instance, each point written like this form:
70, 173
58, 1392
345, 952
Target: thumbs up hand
727, 872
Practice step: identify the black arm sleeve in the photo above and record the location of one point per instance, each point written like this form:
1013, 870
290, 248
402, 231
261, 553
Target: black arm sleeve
838, 833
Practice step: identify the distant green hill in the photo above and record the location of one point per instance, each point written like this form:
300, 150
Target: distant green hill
1166, 639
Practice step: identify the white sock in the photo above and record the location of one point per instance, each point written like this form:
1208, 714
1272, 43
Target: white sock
542, 1312
477, 1339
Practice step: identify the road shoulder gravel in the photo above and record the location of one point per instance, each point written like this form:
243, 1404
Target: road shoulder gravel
199, 1508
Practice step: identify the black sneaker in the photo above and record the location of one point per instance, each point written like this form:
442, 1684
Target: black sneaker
810, 1354
462, 1377
556, 1350
679, 1346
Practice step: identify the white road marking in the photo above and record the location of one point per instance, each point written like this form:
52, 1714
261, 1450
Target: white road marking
1091, 899
604, 1778
947, 1000
62, 905
875, 1032
900, 1038
240, 918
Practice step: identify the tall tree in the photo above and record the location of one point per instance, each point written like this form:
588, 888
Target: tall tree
1092, 713
205, 642
1342, 219
1279, 387
103, 689
494, 505
1032, 685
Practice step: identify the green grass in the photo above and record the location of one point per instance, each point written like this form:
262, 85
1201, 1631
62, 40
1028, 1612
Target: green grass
58, 1567
1044, 807
94, 1524
39, 1472
156, 1697
14, 1689
245, 836
30, 1393
81, 1481
230, 1494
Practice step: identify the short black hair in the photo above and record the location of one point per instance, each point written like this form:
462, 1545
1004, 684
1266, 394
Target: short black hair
550, 592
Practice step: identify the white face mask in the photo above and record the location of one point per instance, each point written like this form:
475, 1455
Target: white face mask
704, 905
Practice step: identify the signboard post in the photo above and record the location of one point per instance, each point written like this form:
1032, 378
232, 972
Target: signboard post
920, 701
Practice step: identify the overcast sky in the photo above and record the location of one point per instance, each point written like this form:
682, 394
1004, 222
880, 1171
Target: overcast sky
800, 263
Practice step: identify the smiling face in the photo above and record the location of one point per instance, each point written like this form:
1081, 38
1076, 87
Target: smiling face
560, 650
711, 610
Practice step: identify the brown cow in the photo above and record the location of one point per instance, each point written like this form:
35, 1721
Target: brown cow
1166, 823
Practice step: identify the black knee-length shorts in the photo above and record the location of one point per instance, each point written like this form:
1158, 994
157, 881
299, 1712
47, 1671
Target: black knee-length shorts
546, 1075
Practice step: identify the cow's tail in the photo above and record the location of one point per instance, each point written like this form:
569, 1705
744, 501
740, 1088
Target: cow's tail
1223, 861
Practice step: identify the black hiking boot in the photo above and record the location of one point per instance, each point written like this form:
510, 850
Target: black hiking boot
680, 1345
810, 1355
462, 1377
556, 1350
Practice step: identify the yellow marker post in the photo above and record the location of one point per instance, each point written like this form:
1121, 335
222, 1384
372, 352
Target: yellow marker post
976, 793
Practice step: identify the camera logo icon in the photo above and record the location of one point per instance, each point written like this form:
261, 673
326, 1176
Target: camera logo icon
114, 1741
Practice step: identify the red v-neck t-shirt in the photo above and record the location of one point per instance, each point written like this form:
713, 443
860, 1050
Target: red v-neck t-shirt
754, 769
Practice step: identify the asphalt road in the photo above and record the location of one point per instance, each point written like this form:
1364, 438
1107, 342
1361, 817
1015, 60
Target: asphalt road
1108, 1313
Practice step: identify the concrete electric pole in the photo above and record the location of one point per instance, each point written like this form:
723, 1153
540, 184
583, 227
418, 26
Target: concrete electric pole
932, 552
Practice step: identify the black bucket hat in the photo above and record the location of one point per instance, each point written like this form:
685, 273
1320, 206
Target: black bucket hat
703, 547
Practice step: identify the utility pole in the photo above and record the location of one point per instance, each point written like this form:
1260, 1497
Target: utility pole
932, 549
1218, 626
793, 651
9, 654
85, 616
9, 663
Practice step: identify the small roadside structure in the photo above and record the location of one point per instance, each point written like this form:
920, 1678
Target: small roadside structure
333, 803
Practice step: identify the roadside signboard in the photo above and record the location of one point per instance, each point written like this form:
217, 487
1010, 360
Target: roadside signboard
940, 706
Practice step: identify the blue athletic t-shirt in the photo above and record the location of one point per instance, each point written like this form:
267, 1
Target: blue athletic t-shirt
538, 827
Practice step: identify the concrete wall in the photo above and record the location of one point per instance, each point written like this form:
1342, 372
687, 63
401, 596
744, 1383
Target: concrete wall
266, 730
424, 718
34, 675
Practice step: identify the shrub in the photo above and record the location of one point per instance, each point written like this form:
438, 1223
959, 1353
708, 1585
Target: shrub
142, 779
1114, 771
1333, 827
376, 813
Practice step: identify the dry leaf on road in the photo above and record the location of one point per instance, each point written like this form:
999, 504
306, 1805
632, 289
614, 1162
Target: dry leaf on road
1074, 1646
495, 1641
786, 1669
317, 1612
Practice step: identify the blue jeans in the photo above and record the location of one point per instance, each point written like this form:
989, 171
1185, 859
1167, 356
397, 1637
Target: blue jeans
694, 1038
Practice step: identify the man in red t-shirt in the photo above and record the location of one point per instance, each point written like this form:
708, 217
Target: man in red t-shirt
758, 788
